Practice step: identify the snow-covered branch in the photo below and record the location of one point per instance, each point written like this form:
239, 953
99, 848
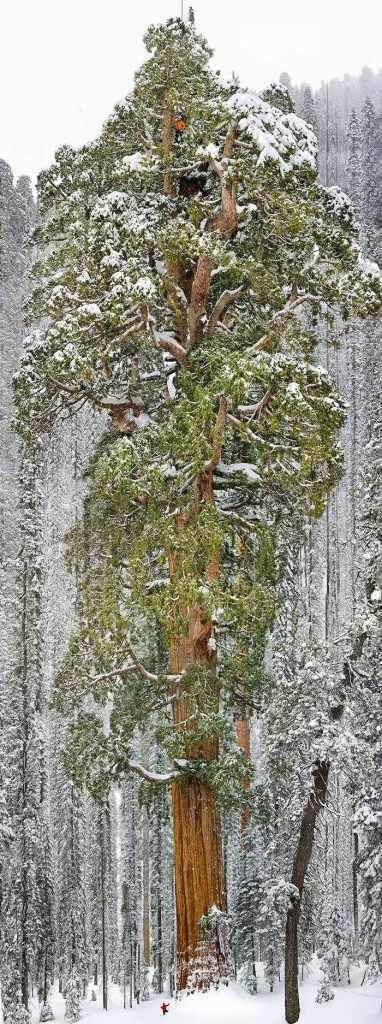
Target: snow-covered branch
255, 410
149, 776
136, 666
244, 470
281, 315
166, 342
181, 765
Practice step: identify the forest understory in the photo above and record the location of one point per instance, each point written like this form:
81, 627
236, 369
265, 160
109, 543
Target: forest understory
355, 1005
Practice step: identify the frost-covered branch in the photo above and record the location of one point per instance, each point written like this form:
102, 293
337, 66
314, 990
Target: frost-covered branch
181, 766
136, 667
254, 411
150, 776
281, 315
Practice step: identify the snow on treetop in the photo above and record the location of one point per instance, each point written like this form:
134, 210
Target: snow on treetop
283, 138
135, 162
293, 391
209, 150
121, 209
89, 310
369, 267
340, 204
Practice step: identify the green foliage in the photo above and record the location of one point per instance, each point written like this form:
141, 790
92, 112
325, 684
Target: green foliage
183, 511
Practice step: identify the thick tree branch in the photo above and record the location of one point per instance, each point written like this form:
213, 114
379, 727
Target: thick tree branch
171, 346
254, 411
167, 344
149, 776
218, 435
177, 299
226, 299
136, 667
227, 220
167, 144
243, 425
199, 294
113, 404
66, 387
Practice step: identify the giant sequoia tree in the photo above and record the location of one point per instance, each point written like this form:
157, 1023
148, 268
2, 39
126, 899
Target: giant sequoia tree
185, 257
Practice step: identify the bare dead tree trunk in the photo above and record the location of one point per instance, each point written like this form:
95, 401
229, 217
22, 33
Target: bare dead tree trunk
314, 804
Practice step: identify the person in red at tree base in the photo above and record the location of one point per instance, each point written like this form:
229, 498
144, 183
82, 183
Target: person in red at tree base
164, 1008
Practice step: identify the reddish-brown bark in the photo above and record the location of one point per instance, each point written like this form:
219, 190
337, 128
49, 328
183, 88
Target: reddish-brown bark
199, 878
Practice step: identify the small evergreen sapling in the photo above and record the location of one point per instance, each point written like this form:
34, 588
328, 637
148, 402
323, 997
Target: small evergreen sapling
72, 997
46, 1012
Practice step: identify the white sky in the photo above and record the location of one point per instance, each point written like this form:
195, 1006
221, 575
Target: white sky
64, 63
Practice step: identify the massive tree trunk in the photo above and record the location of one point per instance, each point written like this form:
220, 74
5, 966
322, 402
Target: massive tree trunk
198, 867
301, 862
198, 858
199, 877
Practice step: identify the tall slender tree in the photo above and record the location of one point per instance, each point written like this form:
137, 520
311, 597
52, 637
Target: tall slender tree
371, 132
354, 162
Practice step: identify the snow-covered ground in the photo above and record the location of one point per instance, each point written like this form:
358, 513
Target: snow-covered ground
351, 1005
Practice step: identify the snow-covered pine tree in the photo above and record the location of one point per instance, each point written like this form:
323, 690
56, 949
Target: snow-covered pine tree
333, 951
246, 914
13, 1011
91, 889
305, 737
177, 250
371, 131
307, 108
367, 673
131, 877
73, 941
72, 996
354, 167
45, 959
27, 877
104, 857
16, 214
161, 888
113, 897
